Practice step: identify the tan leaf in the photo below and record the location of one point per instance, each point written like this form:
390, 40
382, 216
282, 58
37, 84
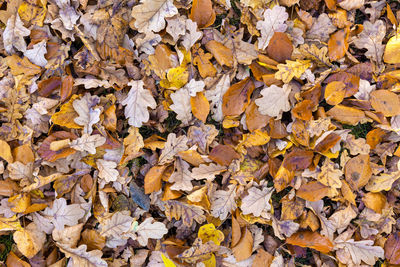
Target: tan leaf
182, 177
244, 247
30, 240
274, 100
382, 182
173, 146
207, 171
13, 35
274, 21
286, 72
107, 170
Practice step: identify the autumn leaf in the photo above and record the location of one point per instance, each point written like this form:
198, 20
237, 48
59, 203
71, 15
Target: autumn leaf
274, 100
286, 72
274, 21
13, 35
311, 240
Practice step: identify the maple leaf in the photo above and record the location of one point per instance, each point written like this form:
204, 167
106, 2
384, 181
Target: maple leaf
181, 106
13, 35
173, 146
222, 202
136, 102
181, 177
274, 21
107, 170
36, 54
88, 143
88, 115
371, 39
61, 214
150, 14
274, 100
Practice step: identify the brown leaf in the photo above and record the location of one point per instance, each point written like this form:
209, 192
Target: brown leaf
392, 248
312, 240
280, 47
254, 119
237, 98
313, 191
298, 160
337, 45
358, 171
46, 153
223, 155
346, 115
152, 180
374, 201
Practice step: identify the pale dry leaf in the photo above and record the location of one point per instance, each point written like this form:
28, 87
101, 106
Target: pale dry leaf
342, 218
371, 39
13, 35
216, 94
329, 175
284, 228
172, 147
150, 229
192, 35
90, 82
223, 202
81, 257
181, 105
146, 41
181, 177
107, 170
274, 21
360, 251
328, 229
207, 171
274, 100
364, 90
88, 114
136, 103
150, 14
61, 214
69, 236
88, 143
351, 4
117, 225
321, 28
36, 54
194, 87
176, 27
67, 14
257, 202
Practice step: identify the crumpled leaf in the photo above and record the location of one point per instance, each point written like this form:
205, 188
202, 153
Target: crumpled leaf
207, 171
88, 115
371, 39
81, 257
136, 103
216, 97
274, 21
185, 212
13, 35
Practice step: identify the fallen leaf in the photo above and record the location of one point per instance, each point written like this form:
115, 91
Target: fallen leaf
274, 100
392, 248
202, 12
312, 240
237, 97
274, 21
30, 240
386, 102
244, 248
286, 72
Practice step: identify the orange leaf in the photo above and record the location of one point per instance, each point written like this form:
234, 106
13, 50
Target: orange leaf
254, 119
312, 240
244, 248
222, 54
347, 115
223, 155
386, 102
237, 97
200, 106
313, 191
280, 47
337, 45
152, 180
358, 171
335, 92
203, 13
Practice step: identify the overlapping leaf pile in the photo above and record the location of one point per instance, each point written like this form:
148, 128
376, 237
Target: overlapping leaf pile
200, 133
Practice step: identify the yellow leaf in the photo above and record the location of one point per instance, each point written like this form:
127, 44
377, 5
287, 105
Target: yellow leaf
176, 78
5, 151
33, 13
382, 182
10, 224
208, 233
167, 261
30, 240
392, 55
133, 143
65, 117
335, 92
286, 72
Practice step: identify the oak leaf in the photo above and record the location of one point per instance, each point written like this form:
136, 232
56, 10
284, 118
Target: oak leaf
107, 170
185, 212
36, 54
181, 105
371, 39
274, 21
359, 251
257, 202
81, 257
61, 214
382, 182
216, 97
136, 102
149, 229
207, 171
88, 143
274, 100
181, 177
286, 72
223, 202
88, 115
150, 14
173, 146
